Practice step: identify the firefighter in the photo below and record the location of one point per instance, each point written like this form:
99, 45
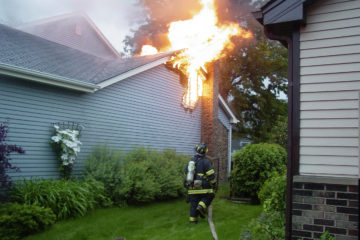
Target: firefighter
200, 182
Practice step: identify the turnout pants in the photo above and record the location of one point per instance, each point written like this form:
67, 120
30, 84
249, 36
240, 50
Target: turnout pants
203, 200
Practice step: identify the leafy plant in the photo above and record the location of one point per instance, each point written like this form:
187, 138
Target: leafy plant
268, 226
273, 193
5, 151
253, 164
326, 236
152, 175
18, 220
106, 165
140, 176
67, 145
66, 198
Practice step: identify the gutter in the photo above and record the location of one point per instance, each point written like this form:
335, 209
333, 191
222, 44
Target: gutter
233, 119
47, 78
133, 72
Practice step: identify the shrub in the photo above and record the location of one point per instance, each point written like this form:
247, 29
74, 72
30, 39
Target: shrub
272, 194
5, 151
152, 175
140, 176
253, 165
18, 220
65, 198
268, 226
106, 165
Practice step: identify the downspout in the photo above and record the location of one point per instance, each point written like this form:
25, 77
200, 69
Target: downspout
229, 150
291, 137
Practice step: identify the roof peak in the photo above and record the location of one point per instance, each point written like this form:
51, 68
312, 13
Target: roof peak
75, 30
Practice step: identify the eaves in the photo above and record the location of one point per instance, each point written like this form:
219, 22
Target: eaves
47, 78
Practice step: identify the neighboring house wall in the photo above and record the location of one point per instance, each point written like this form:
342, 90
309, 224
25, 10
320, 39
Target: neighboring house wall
143, 110
325, 194
329, 89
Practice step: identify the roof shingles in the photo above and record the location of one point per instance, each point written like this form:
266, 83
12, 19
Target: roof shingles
31, 52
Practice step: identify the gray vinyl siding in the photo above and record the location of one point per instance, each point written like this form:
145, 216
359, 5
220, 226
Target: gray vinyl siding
224, 119
329, 89
143, 110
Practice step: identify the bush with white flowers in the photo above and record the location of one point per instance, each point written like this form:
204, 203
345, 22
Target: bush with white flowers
67, 145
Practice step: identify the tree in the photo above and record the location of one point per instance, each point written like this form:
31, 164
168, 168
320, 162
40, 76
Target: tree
254, 74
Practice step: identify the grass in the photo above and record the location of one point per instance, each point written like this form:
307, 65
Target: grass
156, 221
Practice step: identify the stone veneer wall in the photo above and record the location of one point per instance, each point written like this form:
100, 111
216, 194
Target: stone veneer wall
322, 204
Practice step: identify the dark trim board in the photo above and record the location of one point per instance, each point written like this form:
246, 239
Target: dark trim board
293, 123
293, 45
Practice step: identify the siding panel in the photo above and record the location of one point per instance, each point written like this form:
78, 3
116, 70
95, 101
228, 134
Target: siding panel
334, 68
223, 118
329, 142
332, 42
143, 110
334, 77
330, 160
330, 60
329, 132
320, 105
327, 170
323, 96
329, 86
340, 23
329, 151
334, 33
329, 123
331, 8
333, 51
323, 114
318, 18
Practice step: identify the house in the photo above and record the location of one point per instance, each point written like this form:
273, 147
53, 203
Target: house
122, 102
323, 40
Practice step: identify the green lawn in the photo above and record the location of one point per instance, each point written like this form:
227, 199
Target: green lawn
165, 220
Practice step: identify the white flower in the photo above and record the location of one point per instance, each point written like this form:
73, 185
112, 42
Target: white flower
56, 138
71, 144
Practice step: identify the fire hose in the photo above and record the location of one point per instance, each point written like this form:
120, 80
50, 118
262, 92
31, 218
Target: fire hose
211, 224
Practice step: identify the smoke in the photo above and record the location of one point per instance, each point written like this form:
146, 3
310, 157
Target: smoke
113, 17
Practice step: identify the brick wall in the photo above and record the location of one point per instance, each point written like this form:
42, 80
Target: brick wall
329, 205
213, 133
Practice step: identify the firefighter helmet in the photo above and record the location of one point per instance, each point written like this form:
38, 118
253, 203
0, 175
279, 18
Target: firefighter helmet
201, 149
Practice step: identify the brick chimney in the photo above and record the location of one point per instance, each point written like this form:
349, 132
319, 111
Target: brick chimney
210, 110
213, 133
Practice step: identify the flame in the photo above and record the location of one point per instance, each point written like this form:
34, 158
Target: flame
203, 41
148, 50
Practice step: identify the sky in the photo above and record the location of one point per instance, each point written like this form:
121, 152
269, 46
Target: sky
115, 18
